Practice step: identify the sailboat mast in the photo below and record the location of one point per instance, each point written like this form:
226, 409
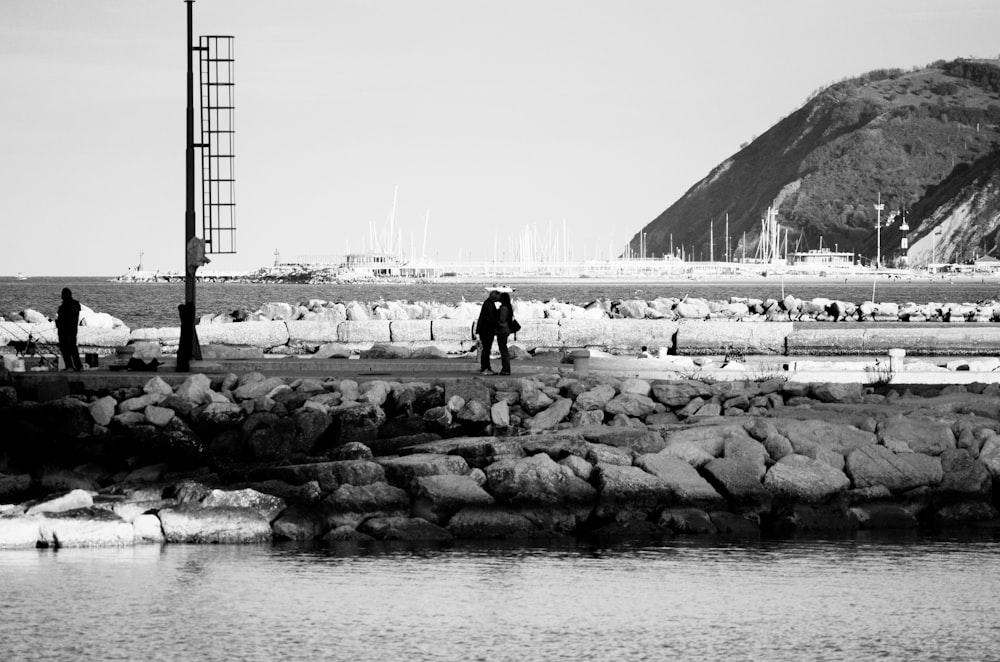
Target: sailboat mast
727, 236
392, 222
427, 217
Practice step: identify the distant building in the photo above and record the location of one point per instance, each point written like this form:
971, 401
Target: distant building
821, 258
987, 263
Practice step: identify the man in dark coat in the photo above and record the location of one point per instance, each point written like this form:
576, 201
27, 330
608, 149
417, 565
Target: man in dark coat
67, 322
486, 328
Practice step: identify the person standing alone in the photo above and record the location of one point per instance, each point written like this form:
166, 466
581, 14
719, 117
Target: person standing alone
67, 322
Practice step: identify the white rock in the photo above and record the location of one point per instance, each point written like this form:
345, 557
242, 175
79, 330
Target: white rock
97, 320
139, 403
71, 501
33, 316
157, 385
194, 388
147, 528
102, 410
158, 416
19, 532
86, 532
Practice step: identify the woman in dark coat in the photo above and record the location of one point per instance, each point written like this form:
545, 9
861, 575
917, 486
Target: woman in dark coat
506, 316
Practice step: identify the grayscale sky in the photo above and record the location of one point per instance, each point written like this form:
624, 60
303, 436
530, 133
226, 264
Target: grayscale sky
493, 119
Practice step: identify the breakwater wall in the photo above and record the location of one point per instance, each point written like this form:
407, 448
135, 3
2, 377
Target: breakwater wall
682, 326
251, 458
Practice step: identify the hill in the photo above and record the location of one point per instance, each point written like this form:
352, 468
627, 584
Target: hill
926, 140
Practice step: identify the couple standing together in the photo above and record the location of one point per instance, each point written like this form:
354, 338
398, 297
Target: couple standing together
496, 320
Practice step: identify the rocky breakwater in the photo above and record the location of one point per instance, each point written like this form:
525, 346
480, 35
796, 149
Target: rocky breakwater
251, 458
687, 326
690, 326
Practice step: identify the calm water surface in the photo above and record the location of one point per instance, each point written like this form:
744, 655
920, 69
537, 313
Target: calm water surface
155, 304
857, 599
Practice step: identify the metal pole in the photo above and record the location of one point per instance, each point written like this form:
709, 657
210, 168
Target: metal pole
185, 350
878, 227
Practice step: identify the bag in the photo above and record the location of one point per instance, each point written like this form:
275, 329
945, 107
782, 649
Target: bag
514, 325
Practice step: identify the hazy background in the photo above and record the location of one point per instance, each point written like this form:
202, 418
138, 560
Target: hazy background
494, 116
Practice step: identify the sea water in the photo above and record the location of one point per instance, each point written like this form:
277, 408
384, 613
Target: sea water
844, 599
155, 304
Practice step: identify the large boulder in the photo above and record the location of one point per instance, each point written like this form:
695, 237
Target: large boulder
630, 404
917, 434
536, 480
224, 524
869, 466
195, 388
628, 493
217, 417
19, 532
437, 498
689, 452
639, 440
964, 474
256, 389
550, 417
595, 398
737, 480
711, 437
328, 475
268, 505
350, 505
479, 452
806, 436
299, 523
74, 500
556, 445
686, 485
802, 479
401, 471
989, 455
679, 393
353, 422
838, 392
85, 527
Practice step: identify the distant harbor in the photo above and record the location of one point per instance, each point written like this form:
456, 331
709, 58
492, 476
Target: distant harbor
379, 267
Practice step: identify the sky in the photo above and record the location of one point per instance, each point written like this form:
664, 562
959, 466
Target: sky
485, 121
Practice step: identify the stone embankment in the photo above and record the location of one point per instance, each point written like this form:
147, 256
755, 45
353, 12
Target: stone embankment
688, 326
251, 458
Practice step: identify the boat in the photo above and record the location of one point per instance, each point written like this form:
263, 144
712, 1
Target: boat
21, 276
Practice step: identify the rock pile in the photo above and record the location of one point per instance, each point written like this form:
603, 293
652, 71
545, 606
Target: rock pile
249, 458
687, 326
787, 309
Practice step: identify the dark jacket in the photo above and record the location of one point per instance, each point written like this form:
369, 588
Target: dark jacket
506, 314
68, 317
489, 318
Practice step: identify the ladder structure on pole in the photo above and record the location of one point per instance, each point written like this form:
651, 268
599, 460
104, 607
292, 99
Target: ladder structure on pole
218, 154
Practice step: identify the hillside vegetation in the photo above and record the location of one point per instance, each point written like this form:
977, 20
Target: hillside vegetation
927, 140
